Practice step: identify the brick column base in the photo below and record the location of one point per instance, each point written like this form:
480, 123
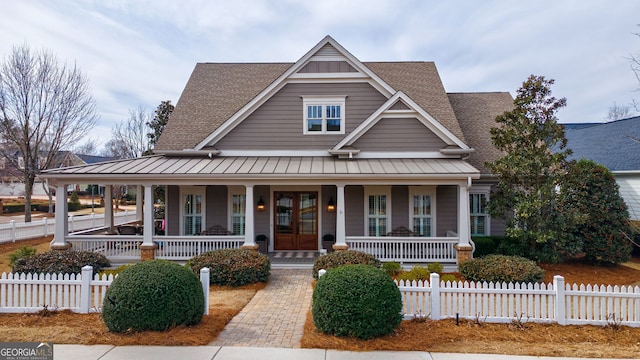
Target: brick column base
61, 247
147, 252
250, 247
465, 252
337, 247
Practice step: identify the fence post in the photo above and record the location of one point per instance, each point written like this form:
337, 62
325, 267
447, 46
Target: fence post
93, 220
204, 279
44, 221
434, 282
321, 272
85, 289
71, 223
558, 288
13, 230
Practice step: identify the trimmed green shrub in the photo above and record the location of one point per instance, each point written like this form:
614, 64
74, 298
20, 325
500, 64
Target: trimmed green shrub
66, 262
233, 267
448, 277
435, 267
416, 273
153, 295
23, 251
356, 300
339, 258
485, 245
115, 271
74, 202
392, 268
590, 194
501, 268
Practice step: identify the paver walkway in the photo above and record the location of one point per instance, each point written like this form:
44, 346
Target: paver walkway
275, 316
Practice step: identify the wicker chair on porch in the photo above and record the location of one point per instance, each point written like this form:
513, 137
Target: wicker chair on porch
216, 230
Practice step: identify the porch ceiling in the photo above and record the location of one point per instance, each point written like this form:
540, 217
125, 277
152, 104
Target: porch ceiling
160, 168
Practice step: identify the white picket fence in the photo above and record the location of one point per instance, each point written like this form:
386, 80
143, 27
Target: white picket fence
81, 293
504, 303
16, 230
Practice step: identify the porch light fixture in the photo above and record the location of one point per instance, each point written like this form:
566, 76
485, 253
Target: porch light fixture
331, 206
260, 205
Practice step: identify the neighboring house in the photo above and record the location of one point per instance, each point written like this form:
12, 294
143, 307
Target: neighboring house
616, 145
375, 153
11, 178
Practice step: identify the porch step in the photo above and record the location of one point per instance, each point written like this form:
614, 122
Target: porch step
293, 259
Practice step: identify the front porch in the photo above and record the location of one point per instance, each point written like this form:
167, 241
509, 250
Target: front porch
293, 203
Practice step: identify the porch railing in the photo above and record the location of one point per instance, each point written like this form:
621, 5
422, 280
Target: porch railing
182, 248
117, 248
407, 249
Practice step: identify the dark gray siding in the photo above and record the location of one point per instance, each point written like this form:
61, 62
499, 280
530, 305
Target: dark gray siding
217, 203
447, 209
399, 207
391, 134
327, 67
328, 218
399, 105
497, 227
173, 210
278, 123
354, 203
262, 217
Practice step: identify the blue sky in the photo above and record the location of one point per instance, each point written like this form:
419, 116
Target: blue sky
138, 53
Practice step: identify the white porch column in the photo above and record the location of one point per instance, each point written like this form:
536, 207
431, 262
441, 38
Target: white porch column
62, 219
249, 226
464, 230
108, 208
147, 223
341, 243
139, 202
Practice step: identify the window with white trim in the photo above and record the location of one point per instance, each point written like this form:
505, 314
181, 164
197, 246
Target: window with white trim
422, 210
192, 215
238, 213
377, 210
479, 216
324, 115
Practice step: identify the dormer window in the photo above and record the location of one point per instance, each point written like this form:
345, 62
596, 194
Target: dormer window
324, 114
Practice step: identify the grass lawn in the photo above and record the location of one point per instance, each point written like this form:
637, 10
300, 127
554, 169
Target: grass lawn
437, 336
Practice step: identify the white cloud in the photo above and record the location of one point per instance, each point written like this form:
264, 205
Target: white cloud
142, 52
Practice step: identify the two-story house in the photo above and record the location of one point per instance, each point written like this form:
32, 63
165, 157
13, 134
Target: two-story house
376, 154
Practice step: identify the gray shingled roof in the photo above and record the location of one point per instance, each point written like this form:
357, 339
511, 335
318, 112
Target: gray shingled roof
615, 144
216, 91
212, 95
476, 113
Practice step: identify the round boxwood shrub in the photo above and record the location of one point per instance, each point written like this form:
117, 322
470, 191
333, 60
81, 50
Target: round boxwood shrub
56, 261
233, 267
153, 295
356, 300
502, 268
339, 258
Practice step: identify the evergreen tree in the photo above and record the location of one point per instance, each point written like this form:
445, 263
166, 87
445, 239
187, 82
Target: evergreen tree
530, 171
590, 191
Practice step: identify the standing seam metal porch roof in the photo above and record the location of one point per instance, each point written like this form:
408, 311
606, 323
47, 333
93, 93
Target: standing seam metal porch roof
266, 167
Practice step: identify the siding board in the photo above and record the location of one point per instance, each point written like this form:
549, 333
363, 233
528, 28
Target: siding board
354, 208
399, 207
173, 210
278, 123
446, 209
216, 203
399, 134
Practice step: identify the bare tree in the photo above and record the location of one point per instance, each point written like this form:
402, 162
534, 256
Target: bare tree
45, 107
617, 112
129, 140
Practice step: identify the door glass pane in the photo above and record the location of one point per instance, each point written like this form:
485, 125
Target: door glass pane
284, 213
307, 213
